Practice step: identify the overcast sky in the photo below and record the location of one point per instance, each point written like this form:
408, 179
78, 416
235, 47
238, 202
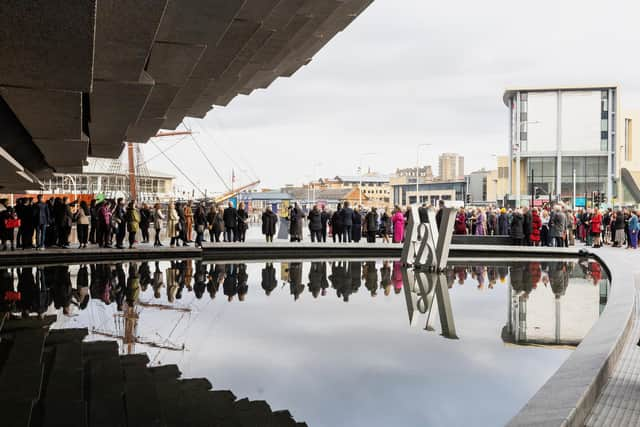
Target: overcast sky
408, 72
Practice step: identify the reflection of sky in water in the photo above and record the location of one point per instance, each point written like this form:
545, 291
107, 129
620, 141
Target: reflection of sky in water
358, 363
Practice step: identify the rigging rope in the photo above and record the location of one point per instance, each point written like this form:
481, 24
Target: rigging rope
209, 161
180, 170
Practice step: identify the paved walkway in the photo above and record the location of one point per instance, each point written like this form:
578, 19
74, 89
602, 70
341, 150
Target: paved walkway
619, 402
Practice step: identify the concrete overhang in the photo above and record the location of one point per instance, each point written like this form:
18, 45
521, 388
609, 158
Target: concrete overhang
83, 77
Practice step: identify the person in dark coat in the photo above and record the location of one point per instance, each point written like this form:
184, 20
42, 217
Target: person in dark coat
269, 281
230, 218
527, 226
269, 221
356, 230
145, 221
243, 217
119, 223
315, 224
324, 220
182, 220
423, 213
41, 218
93, 211
26, 224
439, 213
336, 224
517, 228
200, 224
346, 214
503, 223
371, 225
296, 219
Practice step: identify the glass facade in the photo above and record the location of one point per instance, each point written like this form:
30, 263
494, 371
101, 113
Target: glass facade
541, 174
591, 175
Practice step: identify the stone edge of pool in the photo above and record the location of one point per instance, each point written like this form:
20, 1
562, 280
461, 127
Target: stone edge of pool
566, 399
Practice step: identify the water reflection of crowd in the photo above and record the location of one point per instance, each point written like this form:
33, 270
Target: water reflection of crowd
121, 283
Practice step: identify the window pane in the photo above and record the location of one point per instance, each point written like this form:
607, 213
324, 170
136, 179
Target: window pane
567, 166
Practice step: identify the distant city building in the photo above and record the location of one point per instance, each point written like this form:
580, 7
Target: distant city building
375, 187
451, 167
329, 197
483, 186
558, 131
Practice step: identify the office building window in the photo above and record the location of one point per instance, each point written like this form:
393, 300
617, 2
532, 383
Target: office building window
628, 138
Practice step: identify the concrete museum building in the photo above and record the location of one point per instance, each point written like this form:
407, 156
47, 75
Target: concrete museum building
572, 144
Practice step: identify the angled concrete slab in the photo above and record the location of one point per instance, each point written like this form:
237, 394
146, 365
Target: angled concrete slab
47, 44
125, 31
46, 113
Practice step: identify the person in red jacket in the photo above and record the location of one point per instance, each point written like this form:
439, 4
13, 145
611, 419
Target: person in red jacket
596, 232
460, 226
536, 226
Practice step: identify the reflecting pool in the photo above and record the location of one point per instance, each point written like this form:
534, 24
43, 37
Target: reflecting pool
338, 343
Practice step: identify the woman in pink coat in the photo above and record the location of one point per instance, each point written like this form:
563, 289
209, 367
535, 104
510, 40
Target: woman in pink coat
398, 225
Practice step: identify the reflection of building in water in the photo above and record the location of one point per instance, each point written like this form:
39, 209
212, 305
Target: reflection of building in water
554, 303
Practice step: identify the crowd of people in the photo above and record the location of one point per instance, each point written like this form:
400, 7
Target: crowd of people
107, 223
124, 283
555, 225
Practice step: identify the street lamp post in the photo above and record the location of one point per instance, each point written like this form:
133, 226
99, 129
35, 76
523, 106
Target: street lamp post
362, 156
418, 171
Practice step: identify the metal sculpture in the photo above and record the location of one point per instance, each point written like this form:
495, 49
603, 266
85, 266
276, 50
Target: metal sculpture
426, 246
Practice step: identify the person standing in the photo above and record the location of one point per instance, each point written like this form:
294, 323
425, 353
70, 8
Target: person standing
386, 225
557, 227
243, 217
526, 225
145, 222
634, 230
104, 224
503, 223
182, 221
480, 223
230, 217
356, 229
315, 224
188, 221
596, 232
93, 212
132, 217
10, 222
27, 224
211, 218
158, 217
423, 213
371, 224
296, 219
218, 224
324, 220
460, 225
42, 217
83, 218
119, 223
517, 228
336, 224
398, 221
269, 221
346, 215
536, 226
173, 225
200, 222
544, 230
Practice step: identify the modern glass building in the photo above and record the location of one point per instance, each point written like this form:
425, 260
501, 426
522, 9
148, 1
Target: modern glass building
563, 143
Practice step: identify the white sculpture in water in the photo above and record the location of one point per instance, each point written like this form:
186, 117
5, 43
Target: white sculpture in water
426, 246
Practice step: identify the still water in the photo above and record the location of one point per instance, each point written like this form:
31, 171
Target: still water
339, 343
